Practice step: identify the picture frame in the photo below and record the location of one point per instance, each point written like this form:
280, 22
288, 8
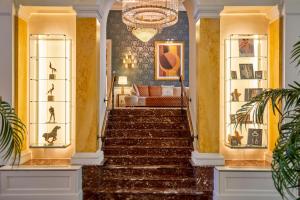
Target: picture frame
246, 47
254, 137
259, 75
246, 71
252, 92
233, 75
169, 60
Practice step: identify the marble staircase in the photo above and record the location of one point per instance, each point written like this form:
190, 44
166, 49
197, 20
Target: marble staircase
147, 156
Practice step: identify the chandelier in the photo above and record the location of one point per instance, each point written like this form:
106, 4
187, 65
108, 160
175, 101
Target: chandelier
146, 18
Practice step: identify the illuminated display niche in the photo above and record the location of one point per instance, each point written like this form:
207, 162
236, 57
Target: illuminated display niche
50, 91
246, 75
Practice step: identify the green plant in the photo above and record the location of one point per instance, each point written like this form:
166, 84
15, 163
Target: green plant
12, 133
286, 155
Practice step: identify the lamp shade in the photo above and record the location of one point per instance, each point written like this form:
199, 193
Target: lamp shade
122, 80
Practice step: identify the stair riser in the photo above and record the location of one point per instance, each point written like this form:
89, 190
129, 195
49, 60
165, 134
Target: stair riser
149, 142
153, 173
139, 184
151, 112
147, 133
111, 196
177, 126
147, 161
147, 152
147, 119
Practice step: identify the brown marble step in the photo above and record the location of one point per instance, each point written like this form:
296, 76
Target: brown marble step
148, 112
140, 183
148, 125
146, 194
147, 160
147, 151
148, 171
159, 142
154, 119
124, 133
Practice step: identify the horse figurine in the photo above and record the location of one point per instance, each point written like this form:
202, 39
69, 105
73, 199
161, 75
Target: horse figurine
52, 136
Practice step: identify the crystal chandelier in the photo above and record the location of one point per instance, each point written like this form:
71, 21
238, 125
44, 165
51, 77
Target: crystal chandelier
145, 18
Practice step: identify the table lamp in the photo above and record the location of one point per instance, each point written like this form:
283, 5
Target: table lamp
122, 81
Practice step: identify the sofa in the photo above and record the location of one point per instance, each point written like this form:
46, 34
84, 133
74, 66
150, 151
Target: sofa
155, 96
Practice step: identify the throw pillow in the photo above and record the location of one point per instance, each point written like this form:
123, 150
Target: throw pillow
167, 90
143, 90
155, 91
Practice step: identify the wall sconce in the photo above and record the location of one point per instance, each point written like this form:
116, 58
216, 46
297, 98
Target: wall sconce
129, 61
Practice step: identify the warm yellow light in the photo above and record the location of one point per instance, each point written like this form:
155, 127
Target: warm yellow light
122, 80
144, 34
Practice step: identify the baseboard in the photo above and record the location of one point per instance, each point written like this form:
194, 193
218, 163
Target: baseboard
207, 159
269, 156
96, 158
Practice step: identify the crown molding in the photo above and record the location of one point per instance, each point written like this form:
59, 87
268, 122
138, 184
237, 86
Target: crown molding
207, 11
89, 11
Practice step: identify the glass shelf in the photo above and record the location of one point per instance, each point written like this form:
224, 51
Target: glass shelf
50, 91
246, 146
246, 72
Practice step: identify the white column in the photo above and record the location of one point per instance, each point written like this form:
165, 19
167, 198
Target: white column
291, 34
6, 50
201, 11
93, 11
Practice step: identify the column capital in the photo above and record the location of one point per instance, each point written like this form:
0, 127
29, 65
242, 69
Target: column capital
83, 10
207, 11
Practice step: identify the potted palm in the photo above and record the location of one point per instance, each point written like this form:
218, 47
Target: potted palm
12, 133
286, 155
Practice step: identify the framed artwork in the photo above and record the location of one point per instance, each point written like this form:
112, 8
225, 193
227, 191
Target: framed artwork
169, 60
252, 92
246, 71
233, 75
246, 47
259, 74
254, 137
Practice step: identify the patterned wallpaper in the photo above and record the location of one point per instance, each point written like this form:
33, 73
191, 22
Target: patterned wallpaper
123, 41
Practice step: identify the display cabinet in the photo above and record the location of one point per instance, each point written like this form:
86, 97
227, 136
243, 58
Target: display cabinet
246, 75
50, 91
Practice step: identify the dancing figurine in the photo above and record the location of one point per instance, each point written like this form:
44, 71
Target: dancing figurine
51, 97
53, 70
52, 114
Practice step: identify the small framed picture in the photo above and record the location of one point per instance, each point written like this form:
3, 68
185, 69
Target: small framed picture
245, 119
246, 71
259, 74
254, 137
252, 92
246, 47
233, 75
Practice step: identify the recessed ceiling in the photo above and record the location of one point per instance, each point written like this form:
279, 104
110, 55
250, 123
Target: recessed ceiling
118, 6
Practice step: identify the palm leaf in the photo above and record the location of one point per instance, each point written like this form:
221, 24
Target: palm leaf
12, 133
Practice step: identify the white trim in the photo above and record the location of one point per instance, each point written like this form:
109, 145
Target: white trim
96, 158
207, 159
30, 183
89, 11
208, 11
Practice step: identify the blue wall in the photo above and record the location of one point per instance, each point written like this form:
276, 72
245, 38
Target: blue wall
123, 41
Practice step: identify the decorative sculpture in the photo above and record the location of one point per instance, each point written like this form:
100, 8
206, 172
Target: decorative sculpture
52, 136
235, 95
53, 70
52, 114
236, 139
51, 97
